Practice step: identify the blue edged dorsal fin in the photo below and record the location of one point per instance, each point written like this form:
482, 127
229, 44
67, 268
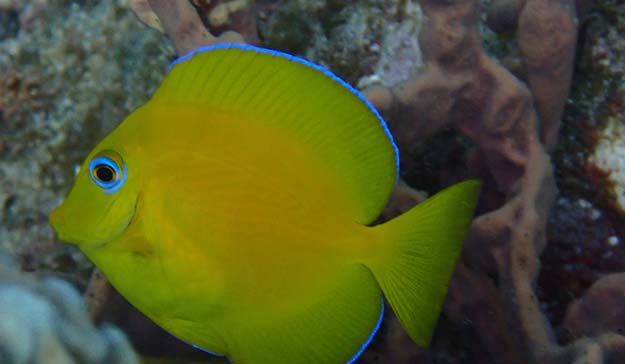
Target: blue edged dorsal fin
328, 116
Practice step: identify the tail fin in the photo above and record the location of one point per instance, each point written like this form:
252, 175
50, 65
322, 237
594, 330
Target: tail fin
424, 244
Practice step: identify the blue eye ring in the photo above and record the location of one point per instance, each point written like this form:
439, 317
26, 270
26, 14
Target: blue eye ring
108, 172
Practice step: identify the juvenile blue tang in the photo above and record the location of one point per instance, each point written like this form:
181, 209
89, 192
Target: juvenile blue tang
235, 207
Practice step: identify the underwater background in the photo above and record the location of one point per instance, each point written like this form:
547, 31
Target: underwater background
526, 95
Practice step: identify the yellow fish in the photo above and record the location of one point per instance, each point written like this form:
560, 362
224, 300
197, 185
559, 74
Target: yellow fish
234, 210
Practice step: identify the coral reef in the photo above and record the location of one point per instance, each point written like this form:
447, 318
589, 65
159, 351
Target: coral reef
538, 281
546, 32
600, 309
606, 60
586, 229
609, 155
47, 322
66, 79
180, 20
464, 87
375, 40
226, 15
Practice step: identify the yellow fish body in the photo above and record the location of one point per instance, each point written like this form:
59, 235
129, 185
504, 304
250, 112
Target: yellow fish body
232, 209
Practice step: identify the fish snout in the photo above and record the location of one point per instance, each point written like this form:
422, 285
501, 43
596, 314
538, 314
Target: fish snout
57, 221
56, 216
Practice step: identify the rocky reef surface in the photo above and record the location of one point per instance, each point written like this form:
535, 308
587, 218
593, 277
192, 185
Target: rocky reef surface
69, 72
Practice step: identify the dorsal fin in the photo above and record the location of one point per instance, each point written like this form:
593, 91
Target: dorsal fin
311, 103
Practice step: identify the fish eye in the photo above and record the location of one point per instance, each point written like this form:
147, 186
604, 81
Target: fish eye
104, 173
107, 171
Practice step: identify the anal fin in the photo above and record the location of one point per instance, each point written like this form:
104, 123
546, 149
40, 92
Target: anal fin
334, 330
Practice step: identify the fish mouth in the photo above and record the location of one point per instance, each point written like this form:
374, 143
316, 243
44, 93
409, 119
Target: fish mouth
59, 223
55, 219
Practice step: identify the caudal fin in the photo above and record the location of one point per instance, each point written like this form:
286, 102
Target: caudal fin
423, 246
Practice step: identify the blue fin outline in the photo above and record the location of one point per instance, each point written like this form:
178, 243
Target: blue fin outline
197, 347
371, 336
206, 351
305, 62
363, 347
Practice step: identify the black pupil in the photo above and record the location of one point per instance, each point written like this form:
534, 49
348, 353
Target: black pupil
104, 173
